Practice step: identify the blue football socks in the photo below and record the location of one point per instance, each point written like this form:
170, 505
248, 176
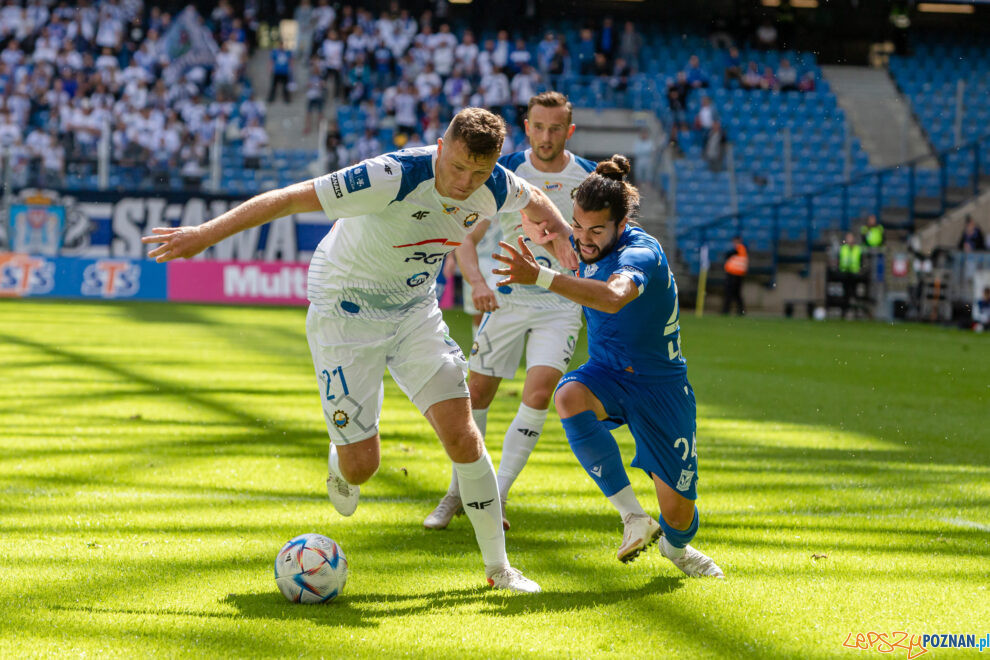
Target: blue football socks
597, 451
680, 537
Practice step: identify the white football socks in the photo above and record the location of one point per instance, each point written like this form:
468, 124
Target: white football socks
480, 416
626, 502
479, 494
333, 462
520, 439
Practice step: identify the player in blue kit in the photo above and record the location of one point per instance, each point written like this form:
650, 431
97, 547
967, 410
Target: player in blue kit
636, 374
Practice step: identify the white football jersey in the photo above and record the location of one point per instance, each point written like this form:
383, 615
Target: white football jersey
558, 187
381, 258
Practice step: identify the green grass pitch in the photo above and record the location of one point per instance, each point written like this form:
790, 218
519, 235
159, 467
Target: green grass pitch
154, 458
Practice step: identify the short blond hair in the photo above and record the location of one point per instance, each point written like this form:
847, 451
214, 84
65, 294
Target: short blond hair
481, 131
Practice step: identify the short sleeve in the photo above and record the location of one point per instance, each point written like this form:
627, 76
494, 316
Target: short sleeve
367, 187
517, 193
638, 263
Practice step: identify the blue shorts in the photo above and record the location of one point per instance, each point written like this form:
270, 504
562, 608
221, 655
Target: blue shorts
661, 415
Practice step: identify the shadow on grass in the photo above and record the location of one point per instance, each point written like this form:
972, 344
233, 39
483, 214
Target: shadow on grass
371, 609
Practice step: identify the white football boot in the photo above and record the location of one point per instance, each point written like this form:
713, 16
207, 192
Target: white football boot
343, 495
440, 517
511, 579
693, 562
641, 531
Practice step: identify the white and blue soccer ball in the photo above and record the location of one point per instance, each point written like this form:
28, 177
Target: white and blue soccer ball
311, 568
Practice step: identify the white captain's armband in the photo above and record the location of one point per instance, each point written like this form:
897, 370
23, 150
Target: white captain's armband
635, 274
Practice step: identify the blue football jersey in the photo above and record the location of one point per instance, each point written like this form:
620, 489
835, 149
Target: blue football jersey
644, 336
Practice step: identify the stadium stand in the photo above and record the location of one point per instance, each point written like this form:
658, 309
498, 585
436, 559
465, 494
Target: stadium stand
932, 78
167, 91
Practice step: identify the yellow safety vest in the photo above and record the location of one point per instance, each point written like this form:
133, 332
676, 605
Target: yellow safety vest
873, 236
850, 258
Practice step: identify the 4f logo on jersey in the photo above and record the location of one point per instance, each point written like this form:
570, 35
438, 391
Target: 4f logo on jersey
21, 275
480, 505
470, 220
111, 279
590, 269
419, 215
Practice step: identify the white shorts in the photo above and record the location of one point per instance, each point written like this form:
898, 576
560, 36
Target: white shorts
350, 357
549, 336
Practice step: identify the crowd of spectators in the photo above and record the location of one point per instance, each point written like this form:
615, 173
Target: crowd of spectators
70, 72
412, 73
709, 130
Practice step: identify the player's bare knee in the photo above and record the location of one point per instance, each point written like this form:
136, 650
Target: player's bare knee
359, 461
465, 448
570, 400
538, 398
482, 389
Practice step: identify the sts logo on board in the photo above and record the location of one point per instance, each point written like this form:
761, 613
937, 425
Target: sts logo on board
22, 275
110, 278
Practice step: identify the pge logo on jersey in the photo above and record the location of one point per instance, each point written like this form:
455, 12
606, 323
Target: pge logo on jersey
21, 275
111, 279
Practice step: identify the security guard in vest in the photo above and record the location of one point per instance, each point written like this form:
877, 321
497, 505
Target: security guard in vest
736, 267
850, 269
872, 232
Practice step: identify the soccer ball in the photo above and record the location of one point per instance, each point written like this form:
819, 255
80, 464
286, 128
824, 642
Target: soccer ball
311, 569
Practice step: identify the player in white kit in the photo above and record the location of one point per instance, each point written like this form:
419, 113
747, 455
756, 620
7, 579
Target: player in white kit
518, 317
373, 303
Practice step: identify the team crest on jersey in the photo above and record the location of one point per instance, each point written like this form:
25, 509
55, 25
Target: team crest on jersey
417, 279
357, 178
470, 220
552, 186
474, 348
340, 419
590, 269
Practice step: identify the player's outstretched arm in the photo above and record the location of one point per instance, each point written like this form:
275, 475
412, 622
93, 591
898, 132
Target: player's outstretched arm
608, 297
543, 223
467, 258
185, 242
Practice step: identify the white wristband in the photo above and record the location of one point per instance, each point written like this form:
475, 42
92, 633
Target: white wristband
545, 277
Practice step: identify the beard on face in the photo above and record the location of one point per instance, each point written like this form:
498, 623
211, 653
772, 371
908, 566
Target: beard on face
600, 253
539, 150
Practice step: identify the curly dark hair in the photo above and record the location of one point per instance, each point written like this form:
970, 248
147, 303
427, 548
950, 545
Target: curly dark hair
606, 188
